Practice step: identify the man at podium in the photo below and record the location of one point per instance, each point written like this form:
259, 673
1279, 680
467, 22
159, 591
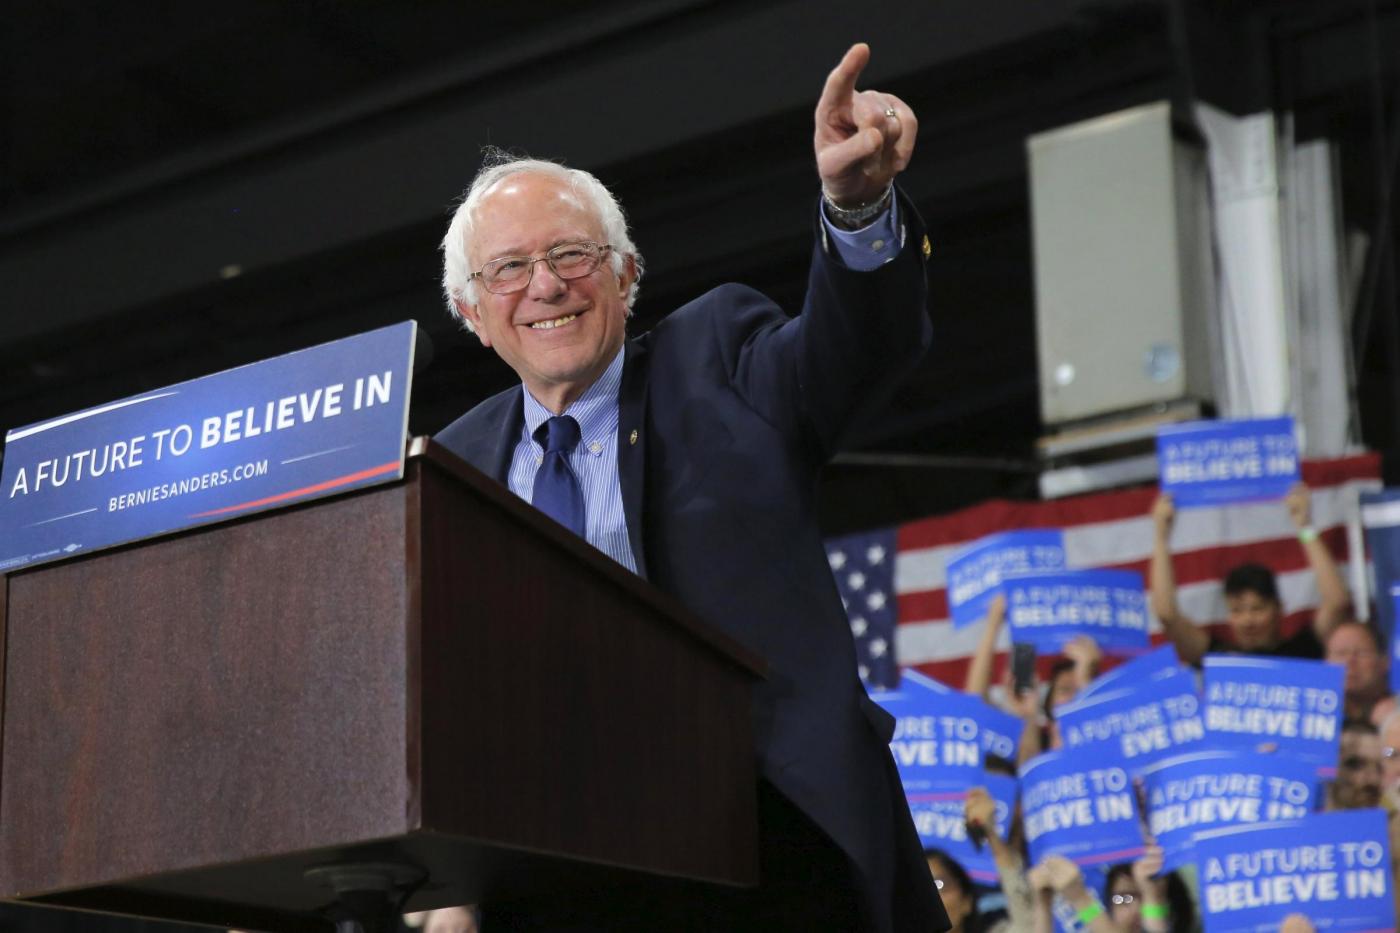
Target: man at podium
690, 456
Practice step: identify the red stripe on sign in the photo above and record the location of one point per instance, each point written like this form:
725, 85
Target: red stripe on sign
1122, 855
304, 491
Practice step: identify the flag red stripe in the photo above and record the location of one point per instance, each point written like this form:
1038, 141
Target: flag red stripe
1280, 554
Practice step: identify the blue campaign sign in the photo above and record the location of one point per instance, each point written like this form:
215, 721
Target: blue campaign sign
1394, 641
1141, 724
939, 728
976, 571
1219, 462
1049, 610
1136, 671
1292, 704
1333, 868
1380, 518
930, 740
1079, 804
941, 824
1188, 794
312, 423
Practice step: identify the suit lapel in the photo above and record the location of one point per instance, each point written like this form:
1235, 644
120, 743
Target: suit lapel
631, 446
507, 436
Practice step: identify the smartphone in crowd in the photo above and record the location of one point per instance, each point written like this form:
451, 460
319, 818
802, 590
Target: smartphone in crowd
1022, 667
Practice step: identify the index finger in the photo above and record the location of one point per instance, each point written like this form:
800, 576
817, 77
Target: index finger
841, 83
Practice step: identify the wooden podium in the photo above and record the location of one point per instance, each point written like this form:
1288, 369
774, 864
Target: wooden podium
428, 672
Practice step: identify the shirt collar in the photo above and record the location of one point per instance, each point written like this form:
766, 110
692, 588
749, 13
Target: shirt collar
595, 410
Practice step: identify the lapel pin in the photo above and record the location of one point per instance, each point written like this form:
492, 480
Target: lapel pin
633, 438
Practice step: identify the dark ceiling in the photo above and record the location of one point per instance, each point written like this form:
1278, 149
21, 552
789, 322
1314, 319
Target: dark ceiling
189, 187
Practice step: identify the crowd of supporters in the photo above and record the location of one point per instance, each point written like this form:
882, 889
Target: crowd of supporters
1137, 896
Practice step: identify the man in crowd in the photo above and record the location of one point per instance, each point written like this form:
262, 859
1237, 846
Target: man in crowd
1255, 612
690, 455
1358, 782
1357, 647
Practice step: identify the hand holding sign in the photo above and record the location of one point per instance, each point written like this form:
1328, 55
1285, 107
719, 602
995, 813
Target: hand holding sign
1145, 871
1059, 874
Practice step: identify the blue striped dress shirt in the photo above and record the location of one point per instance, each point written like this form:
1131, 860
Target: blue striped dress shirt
594, 462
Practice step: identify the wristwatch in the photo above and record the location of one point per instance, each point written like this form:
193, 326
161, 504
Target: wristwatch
853, 218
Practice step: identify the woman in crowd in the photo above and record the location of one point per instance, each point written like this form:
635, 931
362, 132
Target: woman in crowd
956, 889
1135, 900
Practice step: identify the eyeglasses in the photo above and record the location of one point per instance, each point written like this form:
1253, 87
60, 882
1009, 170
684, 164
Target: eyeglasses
567, 260
1118, 900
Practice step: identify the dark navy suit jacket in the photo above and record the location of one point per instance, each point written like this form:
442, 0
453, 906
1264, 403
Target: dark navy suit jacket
735, 407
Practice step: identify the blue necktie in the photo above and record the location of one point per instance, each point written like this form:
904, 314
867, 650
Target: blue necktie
557, 492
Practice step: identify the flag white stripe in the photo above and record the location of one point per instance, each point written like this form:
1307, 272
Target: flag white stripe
924, 642
1125, 540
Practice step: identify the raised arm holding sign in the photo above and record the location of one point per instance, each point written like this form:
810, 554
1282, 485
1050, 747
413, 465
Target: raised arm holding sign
1254, 609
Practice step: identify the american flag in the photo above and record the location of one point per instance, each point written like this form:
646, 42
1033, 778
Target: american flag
1111, 529
864, 565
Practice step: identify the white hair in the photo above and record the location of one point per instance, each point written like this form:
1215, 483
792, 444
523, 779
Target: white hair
457, 283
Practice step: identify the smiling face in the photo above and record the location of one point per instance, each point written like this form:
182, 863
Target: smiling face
558, 335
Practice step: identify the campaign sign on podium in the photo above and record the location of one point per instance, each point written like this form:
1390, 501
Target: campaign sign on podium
311, 423
1291, 704
1049, 610
1080, 804
1219, 462
976, 571
1333, 868
1141, 724
940, 820
1191, 793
